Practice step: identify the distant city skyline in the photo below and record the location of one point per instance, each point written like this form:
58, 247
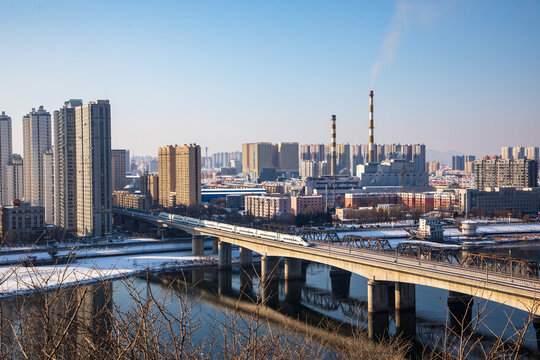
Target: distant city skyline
457, 76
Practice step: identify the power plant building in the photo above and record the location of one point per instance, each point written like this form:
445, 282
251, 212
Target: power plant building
394, 172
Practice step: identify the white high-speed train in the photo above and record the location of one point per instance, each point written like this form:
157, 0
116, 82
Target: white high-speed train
267, 235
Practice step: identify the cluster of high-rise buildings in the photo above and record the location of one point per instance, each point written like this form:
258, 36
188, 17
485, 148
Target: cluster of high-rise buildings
519, 152
315, 158
463, 162
223, 160
66, 166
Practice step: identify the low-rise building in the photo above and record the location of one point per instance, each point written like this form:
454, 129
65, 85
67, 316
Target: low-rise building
22, 223
267, 206
129, 200
430, 227
301, 203
358, 199
235, 201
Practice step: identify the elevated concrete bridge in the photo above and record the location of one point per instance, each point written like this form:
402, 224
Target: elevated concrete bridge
379, 267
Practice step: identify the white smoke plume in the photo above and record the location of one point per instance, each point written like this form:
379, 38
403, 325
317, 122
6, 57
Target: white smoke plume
406, 14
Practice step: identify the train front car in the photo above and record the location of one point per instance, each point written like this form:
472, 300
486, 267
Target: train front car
293, 239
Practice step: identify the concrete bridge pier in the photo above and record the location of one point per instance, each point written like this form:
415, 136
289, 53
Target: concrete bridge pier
460, 310
215, 245
341, 282
293, 269
377, 296
197, 245
405, 296
246, 257
224, 255
269, 268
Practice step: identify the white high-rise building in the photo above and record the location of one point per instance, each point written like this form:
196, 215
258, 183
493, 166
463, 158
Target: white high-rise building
14, 179
532, 153
118, 168
5, 153
93, 164
518, 153
65, 175
507, 153
37, 140
48, 187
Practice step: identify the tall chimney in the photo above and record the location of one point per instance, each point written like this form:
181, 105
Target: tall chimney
372, 157
333, 159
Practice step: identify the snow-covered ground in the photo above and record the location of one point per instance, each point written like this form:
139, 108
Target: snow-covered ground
88, 252
101, 242
18, 279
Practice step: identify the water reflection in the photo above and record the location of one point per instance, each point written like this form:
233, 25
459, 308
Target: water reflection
328, 293
320, 294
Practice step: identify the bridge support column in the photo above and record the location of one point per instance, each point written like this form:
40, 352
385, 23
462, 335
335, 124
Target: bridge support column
269, 268
341, 282
224, 255
214, 245
460, 310
293, 269
197, 245
377, 296
405, 296
246, 257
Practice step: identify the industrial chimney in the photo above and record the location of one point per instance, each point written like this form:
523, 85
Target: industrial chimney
333, 159
372, 157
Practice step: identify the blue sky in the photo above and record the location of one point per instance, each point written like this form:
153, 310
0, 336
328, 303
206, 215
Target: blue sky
455, 75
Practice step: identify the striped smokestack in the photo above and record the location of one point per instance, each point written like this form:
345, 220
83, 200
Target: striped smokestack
333, 158
372, 157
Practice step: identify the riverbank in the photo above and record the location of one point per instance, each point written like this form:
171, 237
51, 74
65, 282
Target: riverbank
18, 279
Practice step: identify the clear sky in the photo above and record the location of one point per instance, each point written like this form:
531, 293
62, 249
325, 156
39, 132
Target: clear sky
455, 75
